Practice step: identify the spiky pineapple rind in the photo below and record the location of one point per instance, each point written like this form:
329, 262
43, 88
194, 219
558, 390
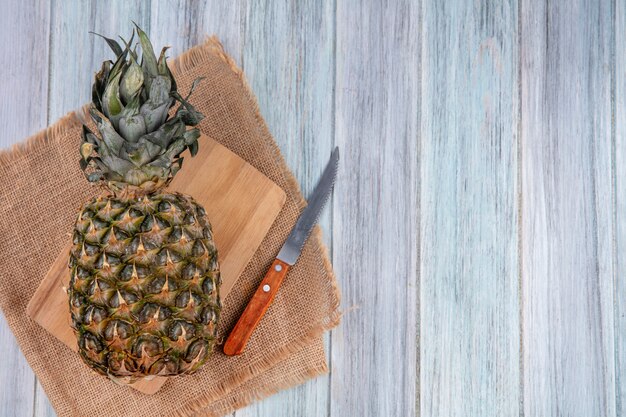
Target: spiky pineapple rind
144, 287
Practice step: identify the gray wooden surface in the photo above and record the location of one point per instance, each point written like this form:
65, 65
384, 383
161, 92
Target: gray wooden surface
477, 227
469, 306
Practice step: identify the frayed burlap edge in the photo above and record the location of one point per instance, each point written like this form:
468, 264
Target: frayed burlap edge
46, 136
188, 60
257, 394
249, 372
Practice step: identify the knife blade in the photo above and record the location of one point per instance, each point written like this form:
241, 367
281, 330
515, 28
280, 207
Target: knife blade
287, 257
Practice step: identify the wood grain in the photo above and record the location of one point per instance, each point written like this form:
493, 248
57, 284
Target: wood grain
619, 163
375, 208
241, 203
42, 406
255, 310
27, 25
76, 55
16, 377
567, 213
183, 24
469, 309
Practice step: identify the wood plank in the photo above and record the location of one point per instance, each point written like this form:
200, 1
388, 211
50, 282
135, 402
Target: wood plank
288, 59
24, 81
24, 110
619, 164
567, 209
43, 408
17, 381
469, 309
183, 24
375, 208
76, 55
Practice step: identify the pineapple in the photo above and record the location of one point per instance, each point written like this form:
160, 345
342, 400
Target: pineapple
144, 287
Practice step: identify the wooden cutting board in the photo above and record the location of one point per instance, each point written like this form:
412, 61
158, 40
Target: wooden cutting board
241, 204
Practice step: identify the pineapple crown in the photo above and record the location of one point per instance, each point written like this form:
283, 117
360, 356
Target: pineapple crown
139, 145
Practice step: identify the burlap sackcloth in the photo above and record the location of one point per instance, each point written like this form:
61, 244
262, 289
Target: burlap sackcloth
41, 189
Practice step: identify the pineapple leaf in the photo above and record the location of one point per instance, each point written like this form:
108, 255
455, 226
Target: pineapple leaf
119, 66
112, 105
186, 112
165, 160
138, 143
94, 176
171, 76
135, 176
194, 84
86, 149
99, 84
132, 108
132, 128
155, 114
100, 166
162, 63
140, 153
115, 47
160, 89
158, 138
118, 165
148, 57
89, 137
110, 138
193, 148
191, 136
154, 171
176, 166
173, 128
133, 53
150, 149
189, 117
132, 81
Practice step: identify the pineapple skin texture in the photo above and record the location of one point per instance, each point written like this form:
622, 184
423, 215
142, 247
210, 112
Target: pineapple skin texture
144, 286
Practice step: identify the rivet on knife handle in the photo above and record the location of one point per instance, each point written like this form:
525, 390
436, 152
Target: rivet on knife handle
256, 308
287, 256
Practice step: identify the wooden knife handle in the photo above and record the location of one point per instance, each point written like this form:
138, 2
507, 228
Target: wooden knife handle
256, 308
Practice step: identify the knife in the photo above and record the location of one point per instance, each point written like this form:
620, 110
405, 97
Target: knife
288, 255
